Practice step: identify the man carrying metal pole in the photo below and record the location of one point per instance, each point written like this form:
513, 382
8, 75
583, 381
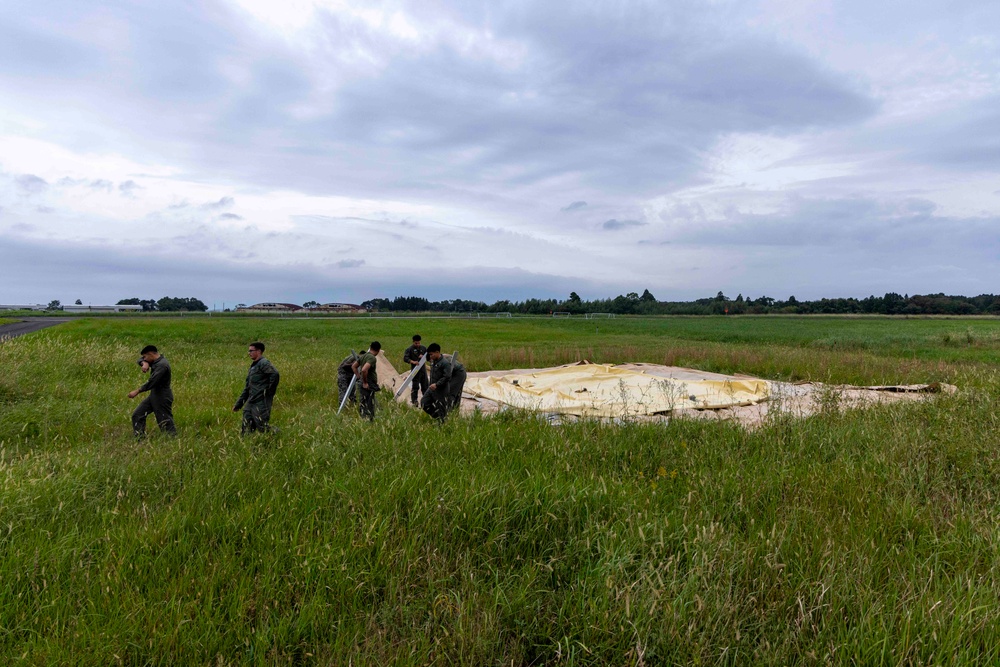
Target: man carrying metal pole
413, 357
365, 371
419, 369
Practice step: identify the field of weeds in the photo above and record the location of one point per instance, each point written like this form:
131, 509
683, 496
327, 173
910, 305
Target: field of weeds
864, 537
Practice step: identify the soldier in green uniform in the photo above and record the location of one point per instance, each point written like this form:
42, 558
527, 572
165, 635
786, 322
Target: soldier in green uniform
258, 392
411, 357
447, 380
161, 398
365, 370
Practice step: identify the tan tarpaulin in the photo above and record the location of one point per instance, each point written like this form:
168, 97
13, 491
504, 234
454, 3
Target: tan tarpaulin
600, 390
388, 379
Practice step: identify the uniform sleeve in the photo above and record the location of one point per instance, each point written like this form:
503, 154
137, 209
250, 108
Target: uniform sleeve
444, 370
272, 380
244, 396
158, 375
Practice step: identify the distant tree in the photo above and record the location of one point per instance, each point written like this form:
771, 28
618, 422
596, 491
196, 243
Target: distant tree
647, 296
310, 304
624, 305
180, 304
148, 305
413, 304
78, 302
376, 304
54, 305
240, 305
721, 297
574, 297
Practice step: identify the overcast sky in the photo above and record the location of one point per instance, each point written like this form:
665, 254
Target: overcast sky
252, 150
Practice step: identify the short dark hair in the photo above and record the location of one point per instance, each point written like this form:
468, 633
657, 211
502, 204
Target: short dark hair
416, 337
433, 347
376, 346
257, 346
149, 348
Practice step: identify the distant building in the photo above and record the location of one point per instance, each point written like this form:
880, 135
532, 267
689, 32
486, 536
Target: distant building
337, 308
270, 307
23, 306
118, 308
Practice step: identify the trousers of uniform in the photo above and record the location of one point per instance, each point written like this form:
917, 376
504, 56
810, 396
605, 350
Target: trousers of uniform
366, 405
420, 382
455, 386
158, 405
256, 416
435, 402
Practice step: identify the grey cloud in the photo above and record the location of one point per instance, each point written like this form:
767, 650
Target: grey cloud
614, 224
230, 216
965, 137
129, 188
575, 206
31, 184
101, 184
40, 49
350, 263
51, 268
625, 100
892, 230
223, 203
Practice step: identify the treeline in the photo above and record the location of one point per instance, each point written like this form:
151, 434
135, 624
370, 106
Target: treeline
646, 304
167, 304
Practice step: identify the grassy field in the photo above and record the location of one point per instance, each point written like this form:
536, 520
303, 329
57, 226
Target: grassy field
868, 537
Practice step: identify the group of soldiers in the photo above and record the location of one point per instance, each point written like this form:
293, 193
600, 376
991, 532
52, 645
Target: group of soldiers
440, 393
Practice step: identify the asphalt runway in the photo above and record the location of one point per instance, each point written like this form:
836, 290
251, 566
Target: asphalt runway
28, 325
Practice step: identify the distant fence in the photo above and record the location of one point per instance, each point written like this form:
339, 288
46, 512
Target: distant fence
503, 315
561, 313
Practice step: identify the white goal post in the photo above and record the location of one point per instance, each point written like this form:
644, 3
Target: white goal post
594, 316
561, 313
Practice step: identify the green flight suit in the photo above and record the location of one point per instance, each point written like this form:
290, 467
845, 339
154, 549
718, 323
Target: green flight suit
258, 395
159, 402
366, 406
448, 377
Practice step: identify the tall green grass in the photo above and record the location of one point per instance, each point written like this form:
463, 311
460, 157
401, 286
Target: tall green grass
863, 537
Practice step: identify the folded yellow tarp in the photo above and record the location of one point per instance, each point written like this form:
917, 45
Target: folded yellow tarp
599, 390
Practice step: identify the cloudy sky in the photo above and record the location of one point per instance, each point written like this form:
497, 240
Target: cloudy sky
249, 150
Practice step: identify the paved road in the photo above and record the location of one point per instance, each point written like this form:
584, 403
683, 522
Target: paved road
28, 325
